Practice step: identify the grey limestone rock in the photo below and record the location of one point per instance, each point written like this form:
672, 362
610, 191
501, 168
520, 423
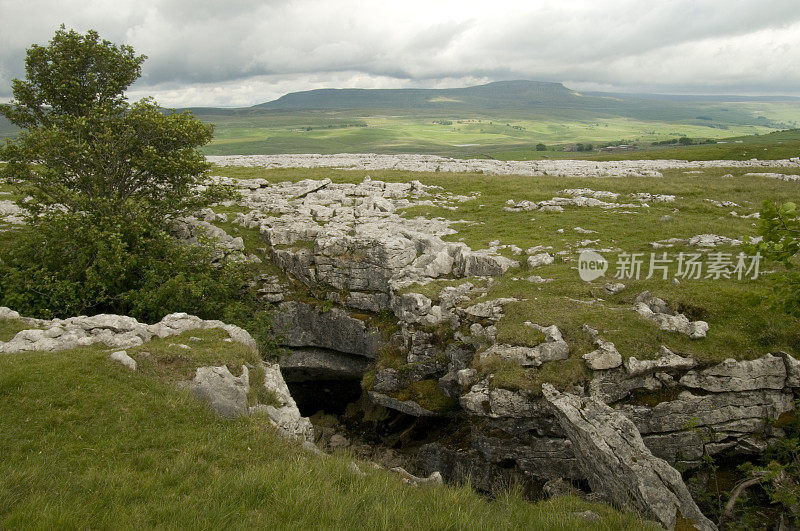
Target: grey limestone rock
224, 392
768, 372
303, 325
614, 458
122, 357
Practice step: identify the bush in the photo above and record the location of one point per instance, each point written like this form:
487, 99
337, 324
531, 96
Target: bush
74, 264
780, 227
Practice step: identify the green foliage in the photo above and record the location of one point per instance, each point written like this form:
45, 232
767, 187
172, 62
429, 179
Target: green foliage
84, 148
780, 227
780, 469
74, 264
72, 76
246, 313
427, 394
102, 180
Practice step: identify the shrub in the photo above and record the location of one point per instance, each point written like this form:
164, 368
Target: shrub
780, 227
73, 264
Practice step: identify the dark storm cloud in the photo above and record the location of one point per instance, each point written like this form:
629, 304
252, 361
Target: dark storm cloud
235, 53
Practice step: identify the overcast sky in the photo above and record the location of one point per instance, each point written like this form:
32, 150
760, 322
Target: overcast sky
239, 53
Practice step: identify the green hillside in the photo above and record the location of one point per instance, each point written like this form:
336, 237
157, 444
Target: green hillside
88, 444
501, 120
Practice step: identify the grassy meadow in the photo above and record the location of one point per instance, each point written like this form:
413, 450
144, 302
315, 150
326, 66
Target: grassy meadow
469, 136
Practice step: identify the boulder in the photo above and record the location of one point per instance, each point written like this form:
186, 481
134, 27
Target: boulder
604, 357
224, 392
529, 356
122, 357
667, 361
618, 465
540, 259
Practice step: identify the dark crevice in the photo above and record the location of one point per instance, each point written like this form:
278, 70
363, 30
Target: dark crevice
330, 396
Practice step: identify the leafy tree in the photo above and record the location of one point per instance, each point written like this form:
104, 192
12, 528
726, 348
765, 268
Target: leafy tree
85, 148
780, 227
541, 147
103, 180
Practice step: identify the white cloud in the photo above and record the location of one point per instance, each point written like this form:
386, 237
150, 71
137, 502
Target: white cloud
218, 52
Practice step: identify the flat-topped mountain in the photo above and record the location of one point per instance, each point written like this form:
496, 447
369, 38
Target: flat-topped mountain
498, 95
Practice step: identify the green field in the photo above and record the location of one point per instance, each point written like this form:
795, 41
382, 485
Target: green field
504, 120
500, 120
469, 136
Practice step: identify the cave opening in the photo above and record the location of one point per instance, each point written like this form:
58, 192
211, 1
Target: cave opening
330, 396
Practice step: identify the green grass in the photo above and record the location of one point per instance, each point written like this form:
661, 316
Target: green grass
10, 327
170, 360
475, 135
773, 146
89, 444
740, 327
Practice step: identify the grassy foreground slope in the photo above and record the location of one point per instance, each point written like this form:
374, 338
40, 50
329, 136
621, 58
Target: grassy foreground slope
88, 444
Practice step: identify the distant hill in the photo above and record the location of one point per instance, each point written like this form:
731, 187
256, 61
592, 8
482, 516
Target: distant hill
492, 96
499, 119
529, 99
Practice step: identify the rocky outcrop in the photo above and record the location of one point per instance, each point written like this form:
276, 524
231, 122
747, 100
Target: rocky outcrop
310, 364
656, 309
114, 331
440, 350
768, 372
618, 464
225, 393
303, 325
606, 356
283, 413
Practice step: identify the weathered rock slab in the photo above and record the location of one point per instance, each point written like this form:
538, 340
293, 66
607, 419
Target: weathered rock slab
224, 392
617, 464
